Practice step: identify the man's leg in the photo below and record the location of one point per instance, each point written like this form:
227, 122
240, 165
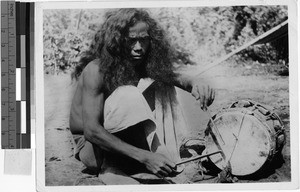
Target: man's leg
116, 169
134, 135
127, 114
91, 156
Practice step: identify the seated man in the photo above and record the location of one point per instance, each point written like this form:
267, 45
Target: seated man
113, 119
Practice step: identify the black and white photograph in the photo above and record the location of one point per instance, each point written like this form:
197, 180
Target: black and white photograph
166, 95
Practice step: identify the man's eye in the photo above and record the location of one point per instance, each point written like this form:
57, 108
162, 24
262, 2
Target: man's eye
144, 39
131, 40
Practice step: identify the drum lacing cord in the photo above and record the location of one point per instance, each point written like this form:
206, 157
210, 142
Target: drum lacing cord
280, 131
272, 116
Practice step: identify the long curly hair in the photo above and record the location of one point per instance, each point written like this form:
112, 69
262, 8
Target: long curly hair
108, 47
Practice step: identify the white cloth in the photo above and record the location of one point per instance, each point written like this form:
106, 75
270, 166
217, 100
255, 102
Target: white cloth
127, 106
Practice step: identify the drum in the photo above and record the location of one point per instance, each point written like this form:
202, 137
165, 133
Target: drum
248, 133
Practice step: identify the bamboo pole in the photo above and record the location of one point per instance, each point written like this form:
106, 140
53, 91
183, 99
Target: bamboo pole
217, 62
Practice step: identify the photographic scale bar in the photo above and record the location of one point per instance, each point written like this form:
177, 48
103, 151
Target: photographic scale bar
16, 56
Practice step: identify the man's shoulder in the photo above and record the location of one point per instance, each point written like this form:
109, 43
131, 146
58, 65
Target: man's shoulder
93, 69
92, 73
92, 66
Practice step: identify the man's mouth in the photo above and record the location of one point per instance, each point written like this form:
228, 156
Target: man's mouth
137, 56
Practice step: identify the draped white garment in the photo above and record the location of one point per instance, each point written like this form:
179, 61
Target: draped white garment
127, 106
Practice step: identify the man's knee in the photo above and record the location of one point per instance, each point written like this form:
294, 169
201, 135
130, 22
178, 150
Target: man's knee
134, 135
128, 93
124, 108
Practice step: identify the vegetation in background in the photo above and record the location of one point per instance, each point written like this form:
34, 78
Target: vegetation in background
253, 21
205, 33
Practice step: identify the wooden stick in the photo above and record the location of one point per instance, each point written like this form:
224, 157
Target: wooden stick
214, 126
197, 157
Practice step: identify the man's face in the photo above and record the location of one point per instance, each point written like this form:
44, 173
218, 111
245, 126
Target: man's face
138, 41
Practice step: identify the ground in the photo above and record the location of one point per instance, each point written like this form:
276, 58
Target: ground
232, 82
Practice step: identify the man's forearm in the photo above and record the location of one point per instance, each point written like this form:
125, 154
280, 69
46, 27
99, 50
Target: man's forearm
185, 77
109, 142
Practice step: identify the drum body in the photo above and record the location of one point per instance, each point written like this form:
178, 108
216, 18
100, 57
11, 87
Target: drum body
249, 135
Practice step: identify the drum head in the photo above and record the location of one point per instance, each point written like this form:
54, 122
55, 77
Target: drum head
245, 141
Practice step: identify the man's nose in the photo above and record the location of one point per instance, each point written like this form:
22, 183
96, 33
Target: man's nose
137, 47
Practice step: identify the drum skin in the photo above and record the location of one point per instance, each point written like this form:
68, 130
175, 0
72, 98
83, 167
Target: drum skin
247, 137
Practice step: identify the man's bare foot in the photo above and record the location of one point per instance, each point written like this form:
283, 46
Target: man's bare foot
192, 147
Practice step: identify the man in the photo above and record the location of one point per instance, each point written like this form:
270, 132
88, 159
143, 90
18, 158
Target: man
110, 118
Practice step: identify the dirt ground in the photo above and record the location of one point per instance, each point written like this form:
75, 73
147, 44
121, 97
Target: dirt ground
232, 83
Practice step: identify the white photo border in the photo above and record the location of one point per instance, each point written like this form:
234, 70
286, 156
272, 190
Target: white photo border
293, 95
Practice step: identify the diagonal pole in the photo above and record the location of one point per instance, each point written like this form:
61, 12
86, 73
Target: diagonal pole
217, 62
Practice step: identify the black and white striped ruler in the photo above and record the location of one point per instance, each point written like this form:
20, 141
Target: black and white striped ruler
16, 57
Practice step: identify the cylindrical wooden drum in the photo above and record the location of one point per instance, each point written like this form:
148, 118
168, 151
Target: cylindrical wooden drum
249, 135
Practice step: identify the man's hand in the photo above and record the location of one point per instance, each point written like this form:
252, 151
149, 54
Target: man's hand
158, 164
203, 93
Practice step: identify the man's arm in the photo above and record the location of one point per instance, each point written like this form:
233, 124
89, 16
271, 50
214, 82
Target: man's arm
93, 105
186, 80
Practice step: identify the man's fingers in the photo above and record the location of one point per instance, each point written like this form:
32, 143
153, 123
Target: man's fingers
162, 173
205, 95
201, 102
207, 102
195, 92
167, 169
204, 98
170, 163
201, 95
208, 91
211, 96
159, 175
